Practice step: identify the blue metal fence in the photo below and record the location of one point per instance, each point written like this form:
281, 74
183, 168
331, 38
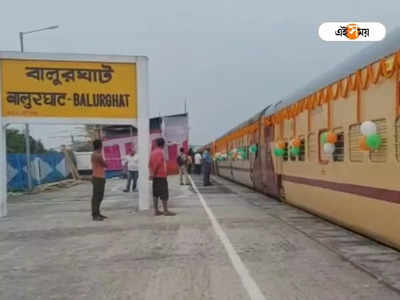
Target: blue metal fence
45, 168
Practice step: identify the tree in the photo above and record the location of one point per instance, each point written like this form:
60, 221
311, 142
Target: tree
16, 143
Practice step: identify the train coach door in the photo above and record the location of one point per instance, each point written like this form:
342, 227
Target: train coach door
271, 180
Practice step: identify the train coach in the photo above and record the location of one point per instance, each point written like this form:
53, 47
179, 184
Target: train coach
332, 148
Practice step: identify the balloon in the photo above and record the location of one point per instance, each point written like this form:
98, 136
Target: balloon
245, 156
323, 138
279, 152
296, 143
331, 137
295, 151
253, 148
363, 144
368, 128
281, 145
374, 141
329, 148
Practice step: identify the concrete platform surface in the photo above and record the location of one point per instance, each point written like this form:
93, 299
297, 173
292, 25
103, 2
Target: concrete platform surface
51, 249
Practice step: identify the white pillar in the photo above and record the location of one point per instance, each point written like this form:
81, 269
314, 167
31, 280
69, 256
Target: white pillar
3, 161
143, 141
3, 171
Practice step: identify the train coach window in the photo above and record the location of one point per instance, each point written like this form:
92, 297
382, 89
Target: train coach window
356, 154
379, 155
302, 153
312, 147
338, 155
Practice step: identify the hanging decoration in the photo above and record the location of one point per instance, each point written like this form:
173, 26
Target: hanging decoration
329, 148
323, 138
279, 152
295, 151
296, 142
253, 148
362, 79
328, 140
331, 137
374, 141
370, 140
363, 144
368, 128
281, 145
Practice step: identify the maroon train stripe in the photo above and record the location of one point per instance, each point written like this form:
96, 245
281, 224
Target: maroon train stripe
366, 191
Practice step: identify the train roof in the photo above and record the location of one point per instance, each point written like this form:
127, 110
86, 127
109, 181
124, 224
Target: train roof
365, 57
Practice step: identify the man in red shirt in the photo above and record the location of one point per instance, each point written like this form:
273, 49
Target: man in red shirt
158, 173
98, 180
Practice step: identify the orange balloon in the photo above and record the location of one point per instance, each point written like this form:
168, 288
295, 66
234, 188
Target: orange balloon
363, 144
331, 137
281, 145
296, 142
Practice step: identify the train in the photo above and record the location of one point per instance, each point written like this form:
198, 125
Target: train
331, 148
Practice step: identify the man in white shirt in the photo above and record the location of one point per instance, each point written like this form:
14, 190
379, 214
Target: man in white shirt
132, 162
197, 163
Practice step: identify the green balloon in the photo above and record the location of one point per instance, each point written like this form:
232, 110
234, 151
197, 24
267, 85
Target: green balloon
279, 152
253, 148
323, 138
295, 151
374, 141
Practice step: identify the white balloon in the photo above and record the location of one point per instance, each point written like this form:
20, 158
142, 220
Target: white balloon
329, 148
368, 128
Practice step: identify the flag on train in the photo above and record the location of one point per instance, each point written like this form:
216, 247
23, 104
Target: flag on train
370, 140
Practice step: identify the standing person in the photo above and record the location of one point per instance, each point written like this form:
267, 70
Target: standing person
206, 167
132, 162
190, 161
197, 163
98, 180
158, 173
182, 161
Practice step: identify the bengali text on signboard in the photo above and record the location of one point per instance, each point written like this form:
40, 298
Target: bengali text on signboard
32, 88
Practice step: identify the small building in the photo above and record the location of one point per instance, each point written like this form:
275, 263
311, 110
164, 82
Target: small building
119, 140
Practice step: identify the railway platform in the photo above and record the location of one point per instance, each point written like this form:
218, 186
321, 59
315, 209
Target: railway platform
226, 242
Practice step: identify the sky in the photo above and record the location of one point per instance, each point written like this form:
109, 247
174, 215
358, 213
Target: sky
229, 59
